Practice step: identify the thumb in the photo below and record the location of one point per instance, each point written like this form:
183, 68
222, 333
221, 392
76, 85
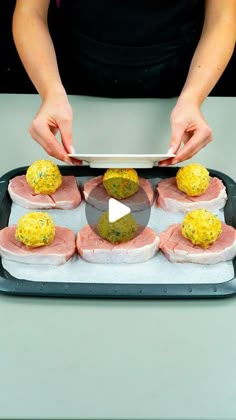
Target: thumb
177, 133
66, 135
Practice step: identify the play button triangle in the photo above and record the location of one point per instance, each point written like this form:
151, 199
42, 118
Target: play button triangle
116, 210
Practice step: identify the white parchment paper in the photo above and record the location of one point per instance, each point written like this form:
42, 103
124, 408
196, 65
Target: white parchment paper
157, 270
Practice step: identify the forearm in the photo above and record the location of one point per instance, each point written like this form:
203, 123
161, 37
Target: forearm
36, 49
211, 57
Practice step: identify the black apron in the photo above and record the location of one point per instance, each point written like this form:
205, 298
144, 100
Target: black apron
128, 48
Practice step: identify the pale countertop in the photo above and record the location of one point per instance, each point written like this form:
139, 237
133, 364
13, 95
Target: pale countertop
117, 359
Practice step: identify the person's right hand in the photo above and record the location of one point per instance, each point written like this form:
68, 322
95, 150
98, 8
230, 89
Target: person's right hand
55, 114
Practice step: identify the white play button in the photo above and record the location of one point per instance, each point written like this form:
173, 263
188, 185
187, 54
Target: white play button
97, 201
116, 210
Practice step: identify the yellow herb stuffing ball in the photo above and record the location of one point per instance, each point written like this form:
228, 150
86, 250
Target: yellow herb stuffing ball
44, 177
121, 230
193, 179
35, 229
121, 183
201, 227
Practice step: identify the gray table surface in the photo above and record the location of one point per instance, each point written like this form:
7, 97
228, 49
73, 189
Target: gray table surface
104, 359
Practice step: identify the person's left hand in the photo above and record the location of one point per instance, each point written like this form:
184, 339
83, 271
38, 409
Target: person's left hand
188, 128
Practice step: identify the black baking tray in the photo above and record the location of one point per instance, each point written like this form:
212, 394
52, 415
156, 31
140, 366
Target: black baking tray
15, 286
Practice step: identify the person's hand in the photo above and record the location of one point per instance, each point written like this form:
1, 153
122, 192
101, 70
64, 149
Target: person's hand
55, 114
188, 129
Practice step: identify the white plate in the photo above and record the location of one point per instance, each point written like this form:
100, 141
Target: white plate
121, 160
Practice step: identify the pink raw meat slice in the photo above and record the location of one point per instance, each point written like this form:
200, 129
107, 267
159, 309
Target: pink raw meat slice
66, 197
171, 199
96, 195
179, 249
93, 248
61, 249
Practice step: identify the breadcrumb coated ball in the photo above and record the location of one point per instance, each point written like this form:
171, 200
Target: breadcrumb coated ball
201, 227
193, 179
121, 230
121, 183
35, 229
44, 177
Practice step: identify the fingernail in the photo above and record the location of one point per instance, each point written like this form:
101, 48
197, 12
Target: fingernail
170, 151
72, 150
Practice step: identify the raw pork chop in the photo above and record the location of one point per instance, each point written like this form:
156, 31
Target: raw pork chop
66, 197
179, 249
96, 195
172, 199
61, 249
93, 248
